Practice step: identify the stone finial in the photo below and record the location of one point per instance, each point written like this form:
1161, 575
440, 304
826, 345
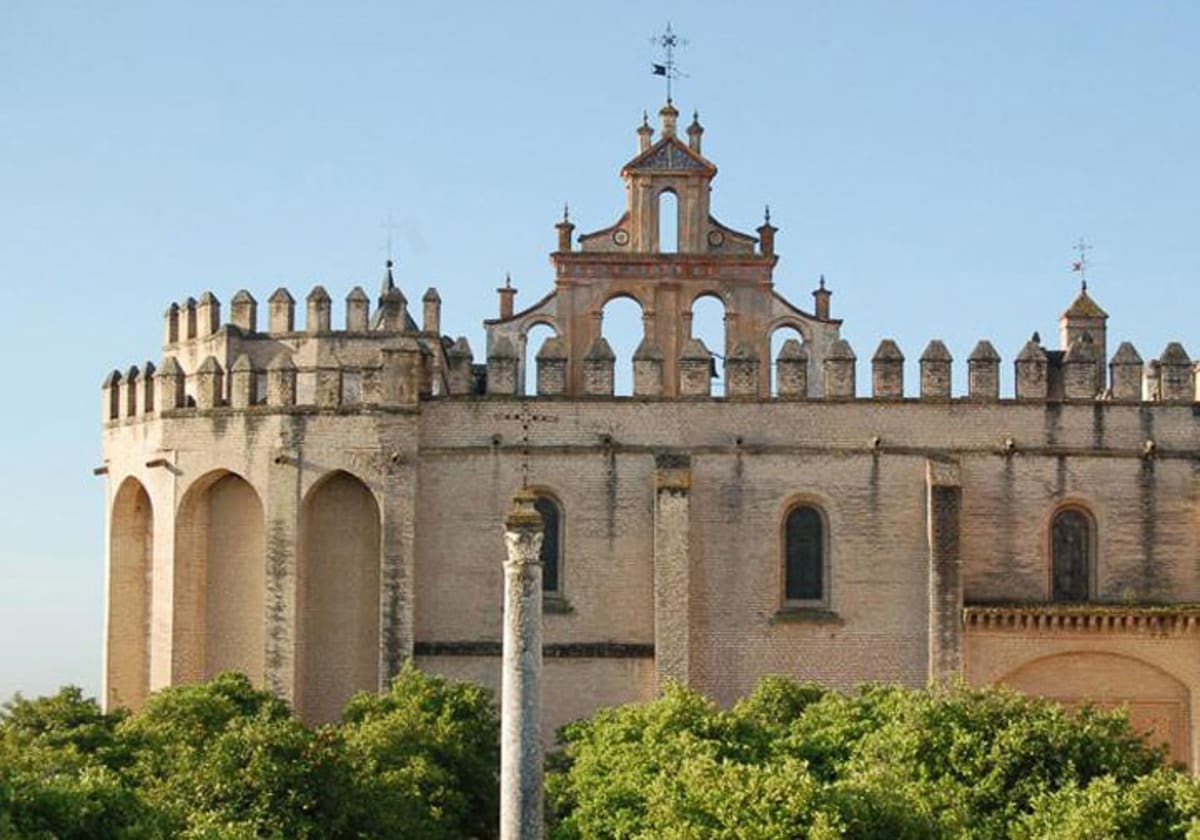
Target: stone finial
1079, 369
1031, 371
171, 324
648, 369
695, 133
243, 383
358, 310
983, 372
502, 367
210, 384
172, 392
110, 389
521, 752
1175, 374
565, 230
598, 365
766, 234
741, 371
148, 386
936, 368
281, 312
319, 318
791, 371
208, 314
821, 297
552, 367
839, 371
431, 316
887, 371
188, 314
508, 295
129, 392
243, 311
645, 134
695, 370
281, 381
459, 375
1125, 373
669, 115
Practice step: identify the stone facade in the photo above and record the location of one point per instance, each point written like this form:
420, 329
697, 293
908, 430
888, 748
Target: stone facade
317, 504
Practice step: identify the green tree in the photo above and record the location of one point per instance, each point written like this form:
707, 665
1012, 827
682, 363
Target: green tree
425, 757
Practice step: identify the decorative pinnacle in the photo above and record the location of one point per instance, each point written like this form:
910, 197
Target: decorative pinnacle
767, 214
507, 280
566, 212
645, 119
822, 282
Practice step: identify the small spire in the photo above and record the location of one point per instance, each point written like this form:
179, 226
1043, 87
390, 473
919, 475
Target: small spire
389, 282
645, 118
566, 212
1036, 338
696, 115
822, 282
767, 214
507, 280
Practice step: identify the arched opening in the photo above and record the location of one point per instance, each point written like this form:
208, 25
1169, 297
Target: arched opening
791, 369
130, 570
622, 327
535, 337
220, 581
1072, 553
804, 556
552, 542
337, 642
708, 325
668, 222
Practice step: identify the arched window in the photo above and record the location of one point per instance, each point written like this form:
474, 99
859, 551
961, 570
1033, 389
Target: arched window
1071, 548
804, 554
668, 223
551, 513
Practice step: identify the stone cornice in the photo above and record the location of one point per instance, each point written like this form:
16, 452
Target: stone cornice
1174, 619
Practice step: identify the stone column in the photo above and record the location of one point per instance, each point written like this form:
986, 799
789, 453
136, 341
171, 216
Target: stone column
521, 674
945, 570
672, 513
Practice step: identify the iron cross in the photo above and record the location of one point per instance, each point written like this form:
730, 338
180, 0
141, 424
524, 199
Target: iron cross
668, 42
527, 417
1081, 264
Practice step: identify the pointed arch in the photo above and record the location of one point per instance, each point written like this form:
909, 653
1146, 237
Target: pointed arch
130, 570
337, 640
220, 580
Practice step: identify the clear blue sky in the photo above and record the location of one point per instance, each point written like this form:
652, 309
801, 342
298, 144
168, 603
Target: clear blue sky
935, 160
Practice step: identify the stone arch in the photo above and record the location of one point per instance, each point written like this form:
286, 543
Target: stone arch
777, 335
220, 580
532, 336
1158, 702
337, 640
130, 570
707, 318
623, 328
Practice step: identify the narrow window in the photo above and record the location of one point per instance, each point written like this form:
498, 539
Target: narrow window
1071, 553
804, 551
668, 223
551, 542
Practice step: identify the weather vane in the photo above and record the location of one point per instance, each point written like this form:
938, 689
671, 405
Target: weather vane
1081, 264
668, 42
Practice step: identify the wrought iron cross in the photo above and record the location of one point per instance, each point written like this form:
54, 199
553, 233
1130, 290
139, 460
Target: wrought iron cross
527, 417
668, 42
1081, 264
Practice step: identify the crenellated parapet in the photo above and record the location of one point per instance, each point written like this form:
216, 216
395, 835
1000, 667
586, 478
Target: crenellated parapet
317, 361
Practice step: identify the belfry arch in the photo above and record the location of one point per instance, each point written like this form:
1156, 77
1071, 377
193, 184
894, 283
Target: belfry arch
130, 567
220, 580
337, 644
